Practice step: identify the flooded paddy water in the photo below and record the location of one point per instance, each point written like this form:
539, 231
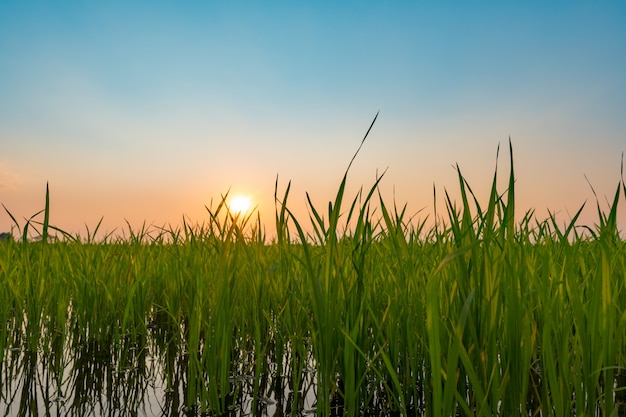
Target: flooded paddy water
149, 375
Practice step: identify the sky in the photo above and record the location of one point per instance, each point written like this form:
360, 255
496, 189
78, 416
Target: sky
138, 112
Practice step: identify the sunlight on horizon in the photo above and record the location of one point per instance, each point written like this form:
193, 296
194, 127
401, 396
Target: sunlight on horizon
240, 204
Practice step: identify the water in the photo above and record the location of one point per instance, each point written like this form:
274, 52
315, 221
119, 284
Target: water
140, 376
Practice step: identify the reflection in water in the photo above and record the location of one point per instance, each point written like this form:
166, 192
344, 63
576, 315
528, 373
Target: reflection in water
144, 375
90, 378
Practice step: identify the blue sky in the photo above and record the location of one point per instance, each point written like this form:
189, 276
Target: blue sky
146, 111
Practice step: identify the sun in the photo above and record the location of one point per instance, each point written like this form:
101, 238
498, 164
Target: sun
240, 204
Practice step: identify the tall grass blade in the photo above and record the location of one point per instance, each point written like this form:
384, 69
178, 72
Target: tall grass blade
46, 217
509, 212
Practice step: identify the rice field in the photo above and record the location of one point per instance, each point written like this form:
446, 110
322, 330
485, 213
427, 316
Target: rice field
480, 314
